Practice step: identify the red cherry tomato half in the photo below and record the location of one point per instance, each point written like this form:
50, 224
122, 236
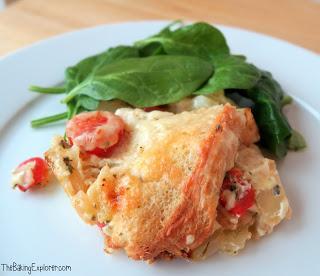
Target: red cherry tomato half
95, 132
103, 153
244, 203
30, 173
241, 191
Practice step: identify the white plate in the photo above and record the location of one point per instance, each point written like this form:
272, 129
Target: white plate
43, 228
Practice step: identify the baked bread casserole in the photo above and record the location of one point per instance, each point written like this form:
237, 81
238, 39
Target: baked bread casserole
185, 184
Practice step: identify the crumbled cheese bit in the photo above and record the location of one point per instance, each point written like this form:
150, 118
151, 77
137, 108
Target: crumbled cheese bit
23, 174
230, 198
284, 207
189, 239
234, 220
242, 189
261, 232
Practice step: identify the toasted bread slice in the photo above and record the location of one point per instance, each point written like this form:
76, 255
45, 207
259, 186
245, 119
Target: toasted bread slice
158, 193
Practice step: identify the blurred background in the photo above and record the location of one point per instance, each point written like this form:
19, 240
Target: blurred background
25, 21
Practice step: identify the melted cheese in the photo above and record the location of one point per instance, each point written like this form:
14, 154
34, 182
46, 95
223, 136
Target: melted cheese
201, 101
23, 175
230, 198
270, 207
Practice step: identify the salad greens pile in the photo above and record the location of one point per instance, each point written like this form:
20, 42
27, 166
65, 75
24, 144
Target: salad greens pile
177, 62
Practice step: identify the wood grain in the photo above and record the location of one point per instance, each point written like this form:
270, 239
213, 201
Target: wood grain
27, 21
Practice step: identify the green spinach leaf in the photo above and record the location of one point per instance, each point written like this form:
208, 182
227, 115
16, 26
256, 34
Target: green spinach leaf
238, 98
296, 141
152, 49
274, 128
155, 48
81, 103
79, 72
47, 90
207, 42
50, 119
74, 75
144, 82
87, 103
199, 39
231, 72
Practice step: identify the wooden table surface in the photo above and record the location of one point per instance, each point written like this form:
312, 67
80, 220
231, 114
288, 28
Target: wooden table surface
27, 21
